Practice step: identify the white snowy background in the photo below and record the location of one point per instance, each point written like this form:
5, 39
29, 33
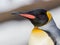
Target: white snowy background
18, 32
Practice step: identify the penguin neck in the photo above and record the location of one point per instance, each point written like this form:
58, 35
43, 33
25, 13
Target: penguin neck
51, 26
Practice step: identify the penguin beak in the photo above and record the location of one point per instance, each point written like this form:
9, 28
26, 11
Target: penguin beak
29, 16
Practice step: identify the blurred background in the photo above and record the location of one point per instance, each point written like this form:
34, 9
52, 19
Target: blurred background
16, 30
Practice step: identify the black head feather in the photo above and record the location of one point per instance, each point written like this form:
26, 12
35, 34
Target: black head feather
41, 17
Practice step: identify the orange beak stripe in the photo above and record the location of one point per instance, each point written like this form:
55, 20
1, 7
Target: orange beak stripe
28, 16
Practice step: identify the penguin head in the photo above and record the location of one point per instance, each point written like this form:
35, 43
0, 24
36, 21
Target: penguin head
38, 17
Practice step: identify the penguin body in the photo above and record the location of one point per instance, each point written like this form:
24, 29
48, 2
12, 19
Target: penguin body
40, 37
48, 33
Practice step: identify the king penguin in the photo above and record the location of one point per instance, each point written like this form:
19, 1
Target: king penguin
45, 31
